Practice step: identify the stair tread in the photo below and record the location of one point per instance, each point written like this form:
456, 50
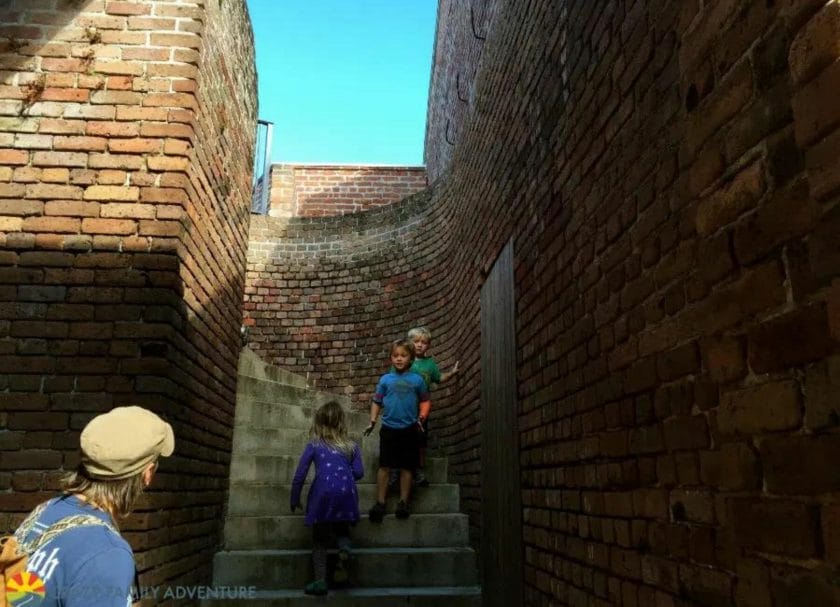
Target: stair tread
390, 591
356, 551
364, 515
286, 485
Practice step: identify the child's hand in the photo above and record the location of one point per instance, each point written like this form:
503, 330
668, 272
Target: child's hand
369, 429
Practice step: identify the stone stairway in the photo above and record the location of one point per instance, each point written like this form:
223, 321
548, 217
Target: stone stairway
422, 561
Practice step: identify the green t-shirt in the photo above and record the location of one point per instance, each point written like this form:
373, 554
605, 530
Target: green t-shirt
427, 369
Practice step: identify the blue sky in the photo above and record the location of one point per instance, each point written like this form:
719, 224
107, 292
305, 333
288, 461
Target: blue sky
345, 81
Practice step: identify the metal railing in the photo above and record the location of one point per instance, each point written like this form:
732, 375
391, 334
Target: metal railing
262, 168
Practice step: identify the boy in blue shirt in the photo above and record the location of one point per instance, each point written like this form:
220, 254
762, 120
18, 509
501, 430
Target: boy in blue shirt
403, 399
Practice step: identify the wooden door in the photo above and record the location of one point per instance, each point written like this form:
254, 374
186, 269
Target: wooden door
501, 502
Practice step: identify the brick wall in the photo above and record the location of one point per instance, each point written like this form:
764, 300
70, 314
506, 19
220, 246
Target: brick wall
325, 295
323, 190
669, 175
462, 28
126, 138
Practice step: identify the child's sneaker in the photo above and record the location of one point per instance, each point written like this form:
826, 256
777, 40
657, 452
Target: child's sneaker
402, 510
341, 574
377, 513
316, 588
420, 479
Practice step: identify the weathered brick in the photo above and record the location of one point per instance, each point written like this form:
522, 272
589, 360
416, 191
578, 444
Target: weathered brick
731, 200
51, 224
102, 192
48, 191
776, 526
789, 213
116, 161
720, 106
135, 146
14, 157
109, 226
686, 433
128, 210
816, 45
724, 358
814, 115
764, 408
800, 588
733, 467
791, 340
822, 394
795, 465
167, 163
72, 208
824, 166
59, 159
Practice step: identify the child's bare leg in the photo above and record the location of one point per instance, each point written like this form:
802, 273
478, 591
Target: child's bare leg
405, 484
382, 484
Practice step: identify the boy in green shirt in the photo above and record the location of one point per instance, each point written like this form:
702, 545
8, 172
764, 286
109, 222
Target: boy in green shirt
427, 368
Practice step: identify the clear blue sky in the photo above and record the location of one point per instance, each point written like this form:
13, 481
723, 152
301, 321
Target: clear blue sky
345, 80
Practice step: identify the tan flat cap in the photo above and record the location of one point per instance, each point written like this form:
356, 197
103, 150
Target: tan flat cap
120, 443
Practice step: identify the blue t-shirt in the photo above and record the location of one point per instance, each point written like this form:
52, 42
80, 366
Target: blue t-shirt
400, 394
86, 566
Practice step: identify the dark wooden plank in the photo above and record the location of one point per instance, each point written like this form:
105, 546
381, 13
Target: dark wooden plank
501, 504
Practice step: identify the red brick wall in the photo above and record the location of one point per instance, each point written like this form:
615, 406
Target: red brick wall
669, 175
323, 190
126, 138
325, 295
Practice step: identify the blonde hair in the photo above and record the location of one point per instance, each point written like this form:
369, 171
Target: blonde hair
330, 428
420, 332
117, 497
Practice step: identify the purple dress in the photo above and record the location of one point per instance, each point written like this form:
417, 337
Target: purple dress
333, 496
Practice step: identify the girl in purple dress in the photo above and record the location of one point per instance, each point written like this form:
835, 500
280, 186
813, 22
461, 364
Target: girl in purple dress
333, 501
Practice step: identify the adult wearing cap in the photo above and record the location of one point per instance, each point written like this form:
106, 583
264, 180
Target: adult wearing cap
79, 555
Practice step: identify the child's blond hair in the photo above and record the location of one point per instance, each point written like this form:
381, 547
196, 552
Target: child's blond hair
420, 332
330, 428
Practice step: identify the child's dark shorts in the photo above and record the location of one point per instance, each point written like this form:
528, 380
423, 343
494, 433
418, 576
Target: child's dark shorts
399, 448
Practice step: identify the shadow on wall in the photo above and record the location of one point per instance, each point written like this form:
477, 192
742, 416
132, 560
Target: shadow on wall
105, 329
326, 295
136, 305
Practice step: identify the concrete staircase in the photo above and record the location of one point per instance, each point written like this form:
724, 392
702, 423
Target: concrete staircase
422, 561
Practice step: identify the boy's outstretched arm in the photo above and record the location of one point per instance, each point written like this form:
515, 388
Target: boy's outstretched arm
424, 407
375, 409
451, 372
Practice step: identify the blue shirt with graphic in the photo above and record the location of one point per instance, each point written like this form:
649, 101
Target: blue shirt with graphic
399, 394
86, 566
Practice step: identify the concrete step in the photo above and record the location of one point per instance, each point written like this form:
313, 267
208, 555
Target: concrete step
289, 532
271, 391
251, 440
273, 499
458, 596
246, 467
369, 568
279, 441
250, 364
267, 414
